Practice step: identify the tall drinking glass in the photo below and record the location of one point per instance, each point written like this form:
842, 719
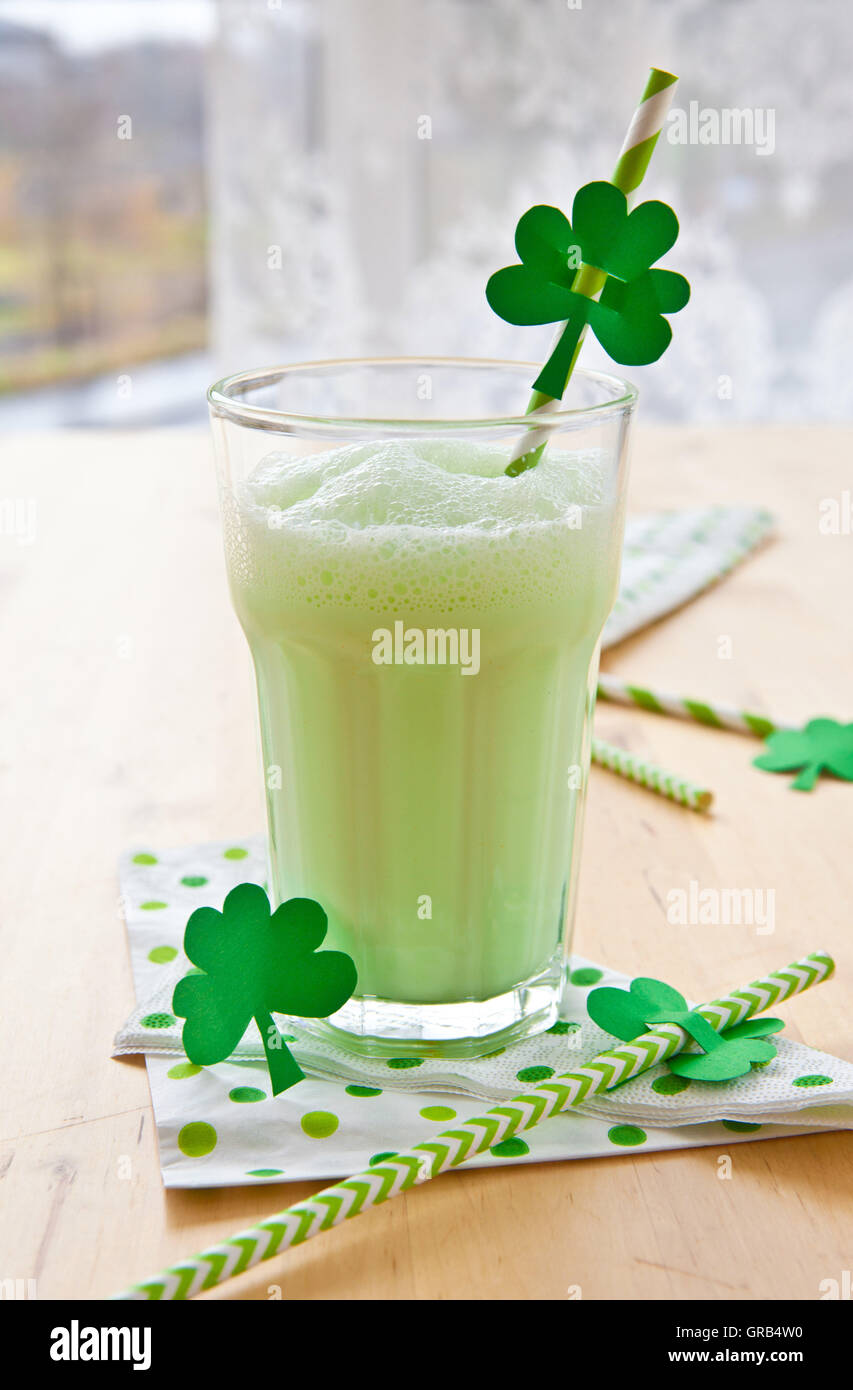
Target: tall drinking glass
425, 634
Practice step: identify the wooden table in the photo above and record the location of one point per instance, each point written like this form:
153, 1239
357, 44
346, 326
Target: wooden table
129, 717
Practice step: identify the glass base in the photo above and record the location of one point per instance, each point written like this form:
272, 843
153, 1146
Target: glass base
374, 1027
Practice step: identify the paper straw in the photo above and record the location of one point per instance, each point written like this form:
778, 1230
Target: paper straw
642, 135
715, 716
454, 1146
647, 774
637, 148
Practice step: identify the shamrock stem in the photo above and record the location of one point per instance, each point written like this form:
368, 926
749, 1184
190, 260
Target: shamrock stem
283, 1068
555, 373
554, 377
701, 1031
807, 778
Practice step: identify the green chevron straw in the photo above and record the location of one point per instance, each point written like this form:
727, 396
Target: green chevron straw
424, 1161
634, 156
715, 716
647, 774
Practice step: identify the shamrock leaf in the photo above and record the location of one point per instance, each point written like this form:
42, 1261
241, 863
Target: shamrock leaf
823, 745
627, 1014
618, 250
755, 1027
253, 963
725, 1062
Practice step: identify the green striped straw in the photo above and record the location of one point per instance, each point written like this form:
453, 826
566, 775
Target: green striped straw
716, 716
647, 774
637, 149
447, 1150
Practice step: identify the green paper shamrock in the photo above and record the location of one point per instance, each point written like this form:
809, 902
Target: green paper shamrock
627, 318
629, 1013
741, 1048
252, 963
823, 745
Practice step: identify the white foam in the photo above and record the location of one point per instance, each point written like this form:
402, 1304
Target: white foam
434, 523
423, 483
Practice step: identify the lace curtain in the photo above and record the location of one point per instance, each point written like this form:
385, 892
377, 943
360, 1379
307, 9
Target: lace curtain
369, 160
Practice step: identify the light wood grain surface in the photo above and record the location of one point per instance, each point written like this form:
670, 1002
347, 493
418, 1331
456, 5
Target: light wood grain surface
128, 717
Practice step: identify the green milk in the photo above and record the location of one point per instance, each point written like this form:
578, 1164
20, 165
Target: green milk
424, 631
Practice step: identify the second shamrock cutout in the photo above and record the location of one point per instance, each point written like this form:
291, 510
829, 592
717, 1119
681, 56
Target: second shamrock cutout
823, 745
627, 1014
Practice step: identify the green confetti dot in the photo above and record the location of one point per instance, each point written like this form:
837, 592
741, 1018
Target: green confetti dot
197, 1139
403, 1063
670, 1085
152, 906
182, 1070
587, 975
437, 1112
145, 859
319, 1124
245, 1095
236, 853
510, 1148
815, 1079
264, 1172
161, 954
534, 1073
740, 1126
194, 880
157, 1021
363, 1091
627, 1135
288, 1037
380, 1158
562, 1026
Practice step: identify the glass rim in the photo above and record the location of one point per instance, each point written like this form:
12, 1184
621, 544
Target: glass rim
224, 398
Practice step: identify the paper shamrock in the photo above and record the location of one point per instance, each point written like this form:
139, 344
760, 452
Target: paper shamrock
252, 963
629, 1013
627, 318
823, 745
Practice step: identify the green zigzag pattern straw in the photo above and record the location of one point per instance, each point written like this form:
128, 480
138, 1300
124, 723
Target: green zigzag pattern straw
646, 774
715, 716
447, 1150
637, 148
646, 125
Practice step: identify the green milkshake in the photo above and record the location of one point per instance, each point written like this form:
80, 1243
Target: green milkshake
424, 631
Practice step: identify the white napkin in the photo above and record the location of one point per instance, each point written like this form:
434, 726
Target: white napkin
220, 1125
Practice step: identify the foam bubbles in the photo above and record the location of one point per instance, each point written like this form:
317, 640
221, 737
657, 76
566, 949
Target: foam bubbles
424, 483
420, 525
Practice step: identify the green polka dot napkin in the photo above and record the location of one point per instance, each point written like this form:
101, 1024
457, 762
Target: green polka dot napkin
670, 557
220, 1125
